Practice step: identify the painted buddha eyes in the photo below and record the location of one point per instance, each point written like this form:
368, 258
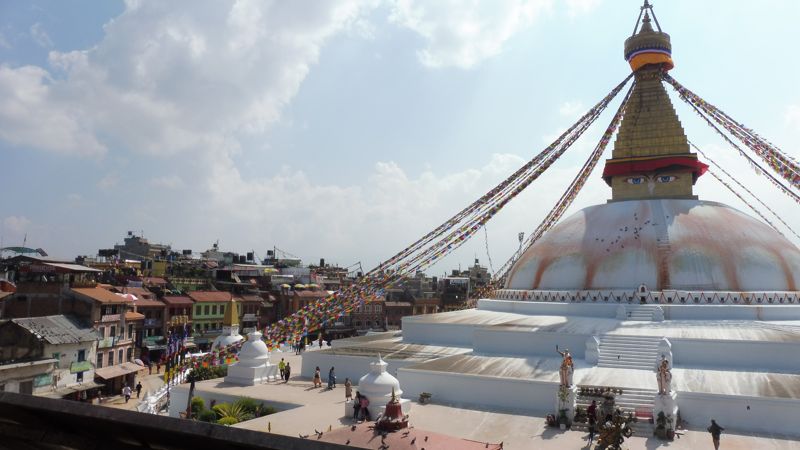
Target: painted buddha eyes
635, 180
657, 178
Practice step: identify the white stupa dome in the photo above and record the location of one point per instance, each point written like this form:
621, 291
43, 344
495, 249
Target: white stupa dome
378, 383
254, 352
676, 244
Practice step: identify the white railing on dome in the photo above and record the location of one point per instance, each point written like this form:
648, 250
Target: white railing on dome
654, 297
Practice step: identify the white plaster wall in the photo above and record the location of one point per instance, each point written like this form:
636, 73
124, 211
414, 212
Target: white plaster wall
454, 388
766, 415
447, 334
68, 355
731, 312
750, 355
353, 367
505, 342
608, 310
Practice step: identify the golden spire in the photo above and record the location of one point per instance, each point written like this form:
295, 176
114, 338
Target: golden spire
651, 157
231, 315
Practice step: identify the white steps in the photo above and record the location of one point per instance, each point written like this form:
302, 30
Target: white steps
629, 401
640, 312
628, 352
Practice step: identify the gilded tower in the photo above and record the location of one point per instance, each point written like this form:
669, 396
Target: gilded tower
651, 157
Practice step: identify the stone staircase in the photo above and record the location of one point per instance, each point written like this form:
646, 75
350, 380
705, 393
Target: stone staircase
629, 401
641, 312
628, 352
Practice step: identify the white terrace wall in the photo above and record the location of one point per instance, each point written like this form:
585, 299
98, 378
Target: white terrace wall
607, 310
754, 414
447, 334
524, 342
746, 355
491, 392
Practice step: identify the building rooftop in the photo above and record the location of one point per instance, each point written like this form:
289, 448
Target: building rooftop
58, 329
100, 295
210, 296
177, 300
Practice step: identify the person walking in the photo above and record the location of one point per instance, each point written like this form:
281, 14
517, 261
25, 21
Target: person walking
348, 389
126, 391
287, 371
138, 389
317, 378
320, 341
592, 428
282, 367
356, 406
365, 407
331, 378
715, 431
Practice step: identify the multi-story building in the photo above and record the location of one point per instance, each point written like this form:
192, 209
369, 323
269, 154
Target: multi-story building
140, 249
371, 316
116, 323
72, 344
249, 306
395, 311
209, 310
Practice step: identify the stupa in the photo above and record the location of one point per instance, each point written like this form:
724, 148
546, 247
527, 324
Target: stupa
380, 387
230, 329
653, 274
253, 366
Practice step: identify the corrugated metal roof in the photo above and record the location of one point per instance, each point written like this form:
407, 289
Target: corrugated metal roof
72, 267
57, 329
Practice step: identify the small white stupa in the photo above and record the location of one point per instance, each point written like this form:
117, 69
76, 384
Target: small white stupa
230, 328
253, 366
378, 385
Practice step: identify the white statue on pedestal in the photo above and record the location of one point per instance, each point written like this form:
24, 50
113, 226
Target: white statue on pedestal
567, 368
664, 376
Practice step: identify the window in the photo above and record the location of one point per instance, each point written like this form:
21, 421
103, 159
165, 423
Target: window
99, 361
197, 326
130, 353
112, 331
120, 356
205, 326
221, 309
79, 377
111, 358
197, 309
214, 309
57, 357
102, 332
130, 331
205, 310
81, 355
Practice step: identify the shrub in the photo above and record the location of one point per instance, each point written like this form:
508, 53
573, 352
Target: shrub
198, 405
227, 421
249, 405
208, 373
207, 416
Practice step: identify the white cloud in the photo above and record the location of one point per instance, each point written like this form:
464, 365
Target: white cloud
171, 77
108, 182
17, 225
167, 182
463, 34
32, 115
793, 117
40, 36
577, 7
571, 109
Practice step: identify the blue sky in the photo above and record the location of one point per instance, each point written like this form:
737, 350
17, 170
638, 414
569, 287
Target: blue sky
343, 129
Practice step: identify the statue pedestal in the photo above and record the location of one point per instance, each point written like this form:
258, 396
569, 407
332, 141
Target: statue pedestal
668, 404
566, 398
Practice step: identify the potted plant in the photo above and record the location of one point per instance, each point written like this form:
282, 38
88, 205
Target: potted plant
424, 398
661, 426
563, 420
